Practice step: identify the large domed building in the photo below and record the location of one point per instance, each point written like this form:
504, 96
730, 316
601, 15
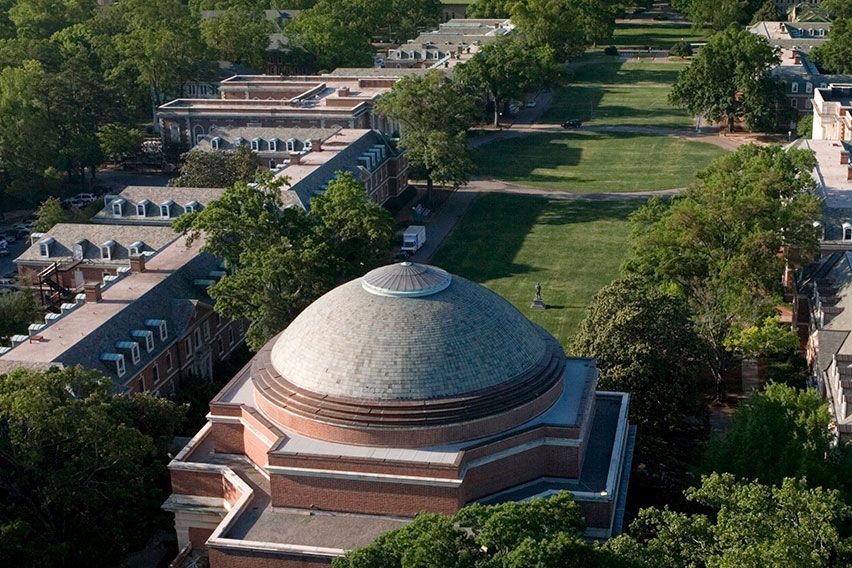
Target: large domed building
408, 389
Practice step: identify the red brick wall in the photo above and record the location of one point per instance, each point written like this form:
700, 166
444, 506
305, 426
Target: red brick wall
228, 438
361, 496
200, 483
240, 559
198, 537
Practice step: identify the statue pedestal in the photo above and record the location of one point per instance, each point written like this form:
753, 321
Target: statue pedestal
538, 304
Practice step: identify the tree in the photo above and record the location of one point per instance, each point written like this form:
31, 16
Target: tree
835, 55
751, 526
779, 433
720, 14
567, 26
434, 114
331, 42
490, 8
729, 79
42, 18
540, 533
680, 49
280, 261
768, 12
17, 311
718, 244
644, 344
118, 141
239, 35
82, 471
48, 214
838, 9
217, 168
508, 68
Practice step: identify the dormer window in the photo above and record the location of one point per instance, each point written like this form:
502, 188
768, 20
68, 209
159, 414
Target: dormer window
44, 247
106, 250
255, 144
847, 231
142, 208
822, 32
131, 346
166, 209
214, 143
809, 87
135, 248
191, 206
239, 141
273, 145
145, 336
291, 145
794, 87
116, 359
161, 327
117, 207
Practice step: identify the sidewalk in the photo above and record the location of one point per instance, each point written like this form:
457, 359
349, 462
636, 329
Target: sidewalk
444, 221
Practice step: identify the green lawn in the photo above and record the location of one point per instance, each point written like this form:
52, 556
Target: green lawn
657, 36
607, 91
511, 242
596, 161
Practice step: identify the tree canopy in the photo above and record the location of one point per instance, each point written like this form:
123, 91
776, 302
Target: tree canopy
17, 310
835, 55
508, 68
239, 35
729, 79
82, 471
567, 26
720, 13
744, 210
644, 344
434, 114
750, 526
218, 168
281, 260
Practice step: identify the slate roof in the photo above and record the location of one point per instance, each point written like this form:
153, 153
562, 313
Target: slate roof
133, 195
355, 344
229, 135
166, 291
92, 236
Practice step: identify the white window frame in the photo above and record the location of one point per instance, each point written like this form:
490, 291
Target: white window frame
847, 231
44, 249
120, 368
291, 145
140, 209
809, 87
255, 144
155, 373
134, 353
118, 208
273, 145
793, 103
107, 248
215, 142
794, 87
169, 363
149, 342
164, 330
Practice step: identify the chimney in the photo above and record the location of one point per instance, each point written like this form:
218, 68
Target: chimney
137, 263
343, 92
93, 291
295, 158
797, 60
844, 157
316, 144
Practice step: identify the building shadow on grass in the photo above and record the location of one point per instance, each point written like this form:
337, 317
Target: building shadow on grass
484, 246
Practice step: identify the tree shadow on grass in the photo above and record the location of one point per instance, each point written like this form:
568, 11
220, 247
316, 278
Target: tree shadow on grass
484, 246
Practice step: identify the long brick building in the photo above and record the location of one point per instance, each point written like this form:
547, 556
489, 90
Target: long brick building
406, 390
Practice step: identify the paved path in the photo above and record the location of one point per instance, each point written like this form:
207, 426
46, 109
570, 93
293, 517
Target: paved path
444, 221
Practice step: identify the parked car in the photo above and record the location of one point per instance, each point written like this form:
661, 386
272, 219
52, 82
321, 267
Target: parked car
10, 236
573, 123
22, 231
530, 104
86, 197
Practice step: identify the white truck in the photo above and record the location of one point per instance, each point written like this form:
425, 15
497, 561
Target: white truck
413, 238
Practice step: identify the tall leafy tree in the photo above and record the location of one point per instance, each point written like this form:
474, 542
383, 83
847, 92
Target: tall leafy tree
729, 79
718, 245
490, 8
239, 35
782, 432
117, 141
82, 471
838, 9
750, 526
508, 68
644, 344
42, 18
17, 311
434, 114
284, 259
217, 168
567, 26
332, 43
719, 14
835, 55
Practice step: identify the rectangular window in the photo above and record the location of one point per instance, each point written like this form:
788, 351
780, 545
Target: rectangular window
116, 208
793, 103
164, 331
221, 345
119, 366
207, 329
44, 249
134, 353
164, 211
149, 342
230, 336
197, 338
155, 373
140, 210
255, 144
106, 253
794, 87
188, 347
169, 365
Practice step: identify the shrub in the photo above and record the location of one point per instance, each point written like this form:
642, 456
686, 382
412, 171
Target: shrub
611, 50
680, 49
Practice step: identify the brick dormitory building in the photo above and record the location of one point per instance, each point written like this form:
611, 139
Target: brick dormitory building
408, 389
146, 327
